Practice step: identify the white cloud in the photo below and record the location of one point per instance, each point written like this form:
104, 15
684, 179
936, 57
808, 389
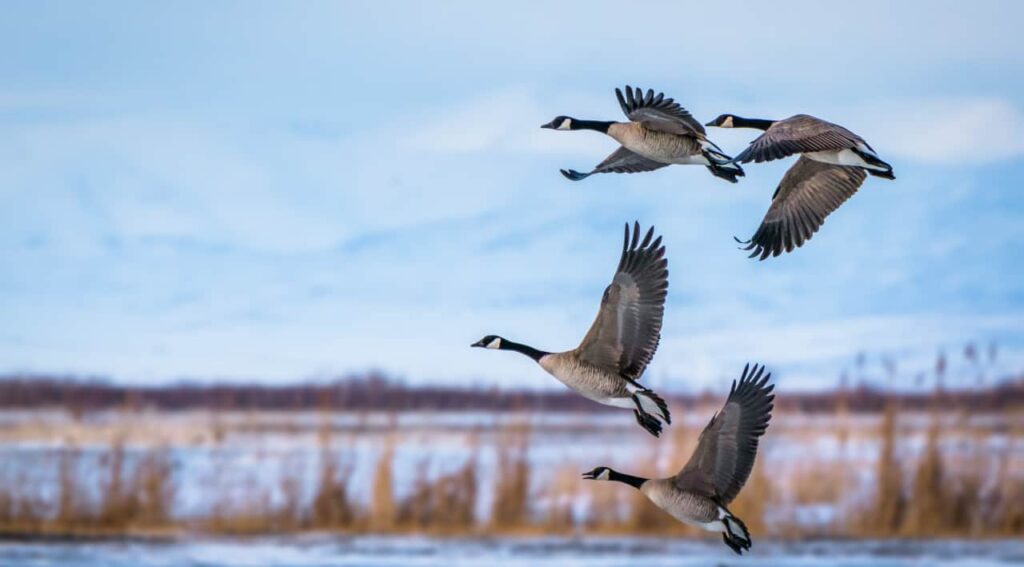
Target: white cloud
510, 120
944, 130
468, 228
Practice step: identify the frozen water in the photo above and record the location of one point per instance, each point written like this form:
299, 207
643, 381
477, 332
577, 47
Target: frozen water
324, 550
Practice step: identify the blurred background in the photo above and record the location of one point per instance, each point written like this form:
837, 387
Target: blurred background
245, 247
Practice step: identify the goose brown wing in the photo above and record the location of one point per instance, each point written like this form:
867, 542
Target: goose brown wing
656, 112
796, 135
808, 192
728, 445
625, 334
620, 161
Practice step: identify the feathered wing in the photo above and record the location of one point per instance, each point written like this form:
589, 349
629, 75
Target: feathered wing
620, 161
627, 329
807, 194
728, 445
796, 135
656, 112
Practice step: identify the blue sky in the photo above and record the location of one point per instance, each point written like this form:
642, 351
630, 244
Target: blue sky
273, 192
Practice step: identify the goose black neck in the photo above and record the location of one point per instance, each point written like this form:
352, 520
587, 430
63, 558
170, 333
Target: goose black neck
740, 122
591, 125
634, 481
527, 350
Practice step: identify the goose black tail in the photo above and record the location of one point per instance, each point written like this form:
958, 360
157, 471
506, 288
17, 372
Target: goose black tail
721, 166
735, 535
648, 422
729, 175
884, 173
651, 410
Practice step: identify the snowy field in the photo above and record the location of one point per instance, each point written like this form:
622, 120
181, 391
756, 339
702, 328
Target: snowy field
226, 457
316, 551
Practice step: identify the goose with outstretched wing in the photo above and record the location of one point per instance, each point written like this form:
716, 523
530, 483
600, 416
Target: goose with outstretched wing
833, 164
700, 494
659, 132
607, 365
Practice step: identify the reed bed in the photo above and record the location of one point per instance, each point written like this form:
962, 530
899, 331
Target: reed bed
953, 485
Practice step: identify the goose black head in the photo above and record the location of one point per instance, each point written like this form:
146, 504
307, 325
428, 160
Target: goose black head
560, 123
490, 341
599, 473
724, 121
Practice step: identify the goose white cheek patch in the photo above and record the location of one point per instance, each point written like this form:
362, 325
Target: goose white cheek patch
496, 343
565, 125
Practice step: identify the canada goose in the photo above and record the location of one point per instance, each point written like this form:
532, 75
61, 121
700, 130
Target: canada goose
698, 494
660, 132
605, 367
831, 168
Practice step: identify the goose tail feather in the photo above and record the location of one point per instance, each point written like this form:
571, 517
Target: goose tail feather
735, 533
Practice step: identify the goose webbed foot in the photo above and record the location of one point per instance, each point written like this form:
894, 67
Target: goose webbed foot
738, 549
574, 175
648, 422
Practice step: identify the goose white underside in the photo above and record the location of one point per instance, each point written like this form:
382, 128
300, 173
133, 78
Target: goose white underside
712, 526
843, 157
557, 371
715, 526
626, 403
698, 159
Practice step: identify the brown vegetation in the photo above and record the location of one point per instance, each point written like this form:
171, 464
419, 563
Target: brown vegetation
958, 483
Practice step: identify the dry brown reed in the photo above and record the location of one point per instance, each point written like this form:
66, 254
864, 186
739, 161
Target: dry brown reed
332, 505
955, 486
383, 509
559, 496
134, 493
511, 508
884, 515
444, 504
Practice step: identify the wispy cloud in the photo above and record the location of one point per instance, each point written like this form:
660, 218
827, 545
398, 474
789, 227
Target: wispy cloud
270, 202
962, 130
505, 121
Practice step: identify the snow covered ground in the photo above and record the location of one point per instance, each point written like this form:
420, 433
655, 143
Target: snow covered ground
215, 455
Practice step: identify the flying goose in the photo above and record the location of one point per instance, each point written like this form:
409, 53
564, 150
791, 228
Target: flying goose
660, 132
700, 493
832, 166
607, 365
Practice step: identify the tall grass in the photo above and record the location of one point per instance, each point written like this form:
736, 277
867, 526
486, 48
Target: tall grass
382, 504
884, 514
332, 505
133, 493
512, 499
965, 482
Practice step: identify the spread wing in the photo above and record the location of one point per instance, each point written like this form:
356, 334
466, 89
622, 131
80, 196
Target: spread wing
796, 135
625, 333
658, 113
620, 161
808, 192
728, 445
